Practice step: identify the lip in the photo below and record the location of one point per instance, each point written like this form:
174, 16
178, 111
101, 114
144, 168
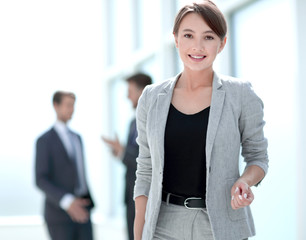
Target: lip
196, 57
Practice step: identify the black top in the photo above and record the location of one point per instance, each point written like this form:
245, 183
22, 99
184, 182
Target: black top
185, 158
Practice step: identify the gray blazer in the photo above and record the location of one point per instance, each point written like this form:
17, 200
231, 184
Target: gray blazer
235, 120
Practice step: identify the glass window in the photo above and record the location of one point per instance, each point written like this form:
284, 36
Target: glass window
121, 31
264, 53
138, 30
121, 112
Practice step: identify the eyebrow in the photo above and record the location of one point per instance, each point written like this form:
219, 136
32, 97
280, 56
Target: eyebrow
190, 30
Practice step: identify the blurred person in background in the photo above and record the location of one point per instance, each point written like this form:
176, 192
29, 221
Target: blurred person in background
190, 130
60, 174
129, 153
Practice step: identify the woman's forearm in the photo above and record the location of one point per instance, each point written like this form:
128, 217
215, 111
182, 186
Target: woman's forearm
140, 210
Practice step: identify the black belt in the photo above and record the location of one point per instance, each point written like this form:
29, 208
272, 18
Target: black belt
190, 202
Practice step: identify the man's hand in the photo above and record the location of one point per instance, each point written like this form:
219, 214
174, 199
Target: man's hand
115, 145
77, 210
242, 195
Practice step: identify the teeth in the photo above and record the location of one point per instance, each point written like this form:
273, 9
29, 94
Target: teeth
198, 57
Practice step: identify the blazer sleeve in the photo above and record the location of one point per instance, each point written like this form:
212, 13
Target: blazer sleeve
144, 164
131, 150
42, 173
251, 124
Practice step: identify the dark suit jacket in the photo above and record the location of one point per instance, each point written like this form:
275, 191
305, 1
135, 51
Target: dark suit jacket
129, 160
56, 175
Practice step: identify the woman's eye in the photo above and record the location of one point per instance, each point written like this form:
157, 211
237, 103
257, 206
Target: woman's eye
187, 36
209, 38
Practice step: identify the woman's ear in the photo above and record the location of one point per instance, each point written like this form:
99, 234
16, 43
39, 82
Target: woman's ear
175, 39
223, 42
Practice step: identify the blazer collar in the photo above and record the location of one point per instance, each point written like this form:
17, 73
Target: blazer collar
217, 83
168, 88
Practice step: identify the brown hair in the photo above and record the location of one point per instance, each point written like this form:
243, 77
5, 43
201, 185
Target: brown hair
58, 96
140, 79
210, 14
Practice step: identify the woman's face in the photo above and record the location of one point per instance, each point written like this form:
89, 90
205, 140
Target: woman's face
198, 45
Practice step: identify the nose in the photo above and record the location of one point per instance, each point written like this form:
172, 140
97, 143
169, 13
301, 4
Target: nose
198, 45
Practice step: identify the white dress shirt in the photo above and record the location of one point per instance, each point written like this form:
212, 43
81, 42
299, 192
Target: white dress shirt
73, 147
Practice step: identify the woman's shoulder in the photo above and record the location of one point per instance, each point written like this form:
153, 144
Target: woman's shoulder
153, 90
230, 81
235, 87
160, 86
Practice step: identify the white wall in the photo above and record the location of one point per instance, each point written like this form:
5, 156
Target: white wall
47, 46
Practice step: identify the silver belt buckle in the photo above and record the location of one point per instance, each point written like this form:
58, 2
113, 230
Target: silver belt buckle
191, 198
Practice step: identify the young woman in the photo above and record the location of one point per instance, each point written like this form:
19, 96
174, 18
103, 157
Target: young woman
190, 130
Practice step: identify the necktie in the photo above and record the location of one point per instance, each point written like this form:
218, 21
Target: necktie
133, 132
81, 187
72, 150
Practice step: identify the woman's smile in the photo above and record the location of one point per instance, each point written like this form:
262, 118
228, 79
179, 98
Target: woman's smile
197, 58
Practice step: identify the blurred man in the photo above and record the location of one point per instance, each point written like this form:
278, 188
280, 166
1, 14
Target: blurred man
60, 174
129, 153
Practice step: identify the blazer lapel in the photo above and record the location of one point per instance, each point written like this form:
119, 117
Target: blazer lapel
162, 108
216, 108
61, 145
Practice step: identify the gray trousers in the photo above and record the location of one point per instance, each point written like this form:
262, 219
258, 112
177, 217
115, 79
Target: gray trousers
179, 223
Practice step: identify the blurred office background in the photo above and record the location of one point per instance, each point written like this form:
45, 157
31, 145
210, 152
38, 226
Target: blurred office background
89, 47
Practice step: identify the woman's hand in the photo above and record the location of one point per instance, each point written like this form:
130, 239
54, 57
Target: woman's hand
242, 194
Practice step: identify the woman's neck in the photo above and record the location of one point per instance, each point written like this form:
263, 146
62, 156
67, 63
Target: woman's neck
194, 79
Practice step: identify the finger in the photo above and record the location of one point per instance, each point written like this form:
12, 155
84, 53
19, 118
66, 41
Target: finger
235, 203
237, 194
81, 203
108, 141
248, 195
104, 139
249, 198
85, 202
73, 218
235, 199
234, 190
82, 216
81, 220
239, 201
245, 201
85, 217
